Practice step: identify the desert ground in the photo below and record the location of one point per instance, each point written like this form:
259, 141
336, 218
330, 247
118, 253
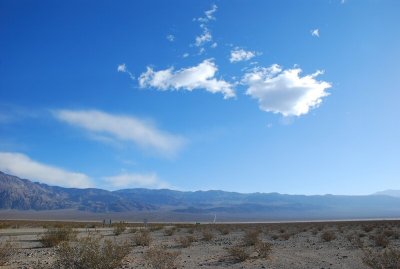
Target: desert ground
345, 244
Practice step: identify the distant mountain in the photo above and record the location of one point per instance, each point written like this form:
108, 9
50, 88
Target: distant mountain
22, 194
393, 193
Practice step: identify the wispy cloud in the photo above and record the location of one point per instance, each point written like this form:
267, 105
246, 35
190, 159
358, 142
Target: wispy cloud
205, 36
239, 55
315, 32
123, 69
22, 166
285, 91
123, 128
170, 38
201, 76
135, 180
208, 15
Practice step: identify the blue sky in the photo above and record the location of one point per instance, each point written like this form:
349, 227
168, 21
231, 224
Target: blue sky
249, 96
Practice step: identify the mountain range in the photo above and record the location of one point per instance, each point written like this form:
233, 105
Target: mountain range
22, 195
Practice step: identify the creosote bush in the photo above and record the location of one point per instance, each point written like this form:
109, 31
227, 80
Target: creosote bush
251, 237
186, 241
142, 238
119, 228
54, 236
389, 258
90, 252
207, 235
263, 249
6, 252
238, 253
381, 240
328, 236
169, 231
159, 257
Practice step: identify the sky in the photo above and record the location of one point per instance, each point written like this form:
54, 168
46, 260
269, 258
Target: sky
296, 97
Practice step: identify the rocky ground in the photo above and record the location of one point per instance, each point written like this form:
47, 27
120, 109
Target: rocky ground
286, 245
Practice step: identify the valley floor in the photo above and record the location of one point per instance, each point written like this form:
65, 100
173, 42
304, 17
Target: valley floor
293, 245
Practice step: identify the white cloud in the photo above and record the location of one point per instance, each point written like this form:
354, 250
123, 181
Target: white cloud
238, 55
22, 166
214, 45
315, 32
185, 55
123, 128
123, 69
201, 76
285, 91
208, 14
203, 38
170, 38
135, 180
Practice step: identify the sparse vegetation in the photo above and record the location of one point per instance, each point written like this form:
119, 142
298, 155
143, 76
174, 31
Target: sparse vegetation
119, 228
238, 253
387, 259
159, 257
89, 252
207, 235
381, 240
169, 231
142, 238
328, 236
186, 241
263, 249
6, 252
251, 237
54, 236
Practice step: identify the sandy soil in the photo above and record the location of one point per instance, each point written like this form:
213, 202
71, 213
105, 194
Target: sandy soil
294, 245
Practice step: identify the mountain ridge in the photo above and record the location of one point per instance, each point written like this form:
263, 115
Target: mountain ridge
22, 194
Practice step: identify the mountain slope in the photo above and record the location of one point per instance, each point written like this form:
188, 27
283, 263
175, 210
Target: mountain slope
22, 194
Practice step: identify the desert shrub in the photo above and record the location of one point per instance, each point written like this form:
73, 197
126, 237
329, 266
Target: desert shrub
238, 253
381, 240
314, 232
156, 227
263, 249
250, 237
119, 229
389, 258
190, 231
169, 231
275, 237
328, 236
132, 230
160, 258
142, 238
285, 236
6, 252
355, 240
186, 241
224, 230
389, 232
54, 236
89, 252
368, 228
207, 235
